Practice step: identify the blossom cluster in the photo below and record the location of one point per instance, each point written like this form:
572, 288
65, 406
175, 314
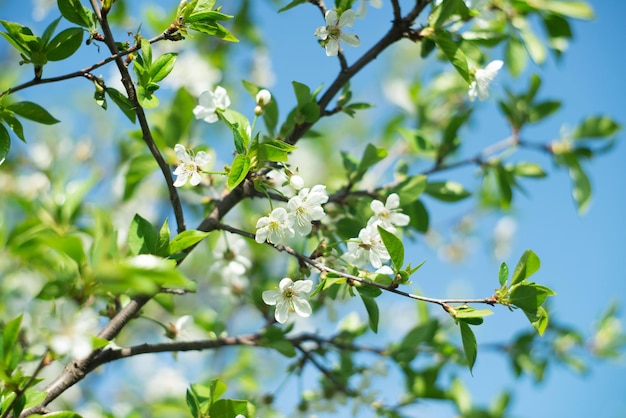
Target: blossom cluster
302, 209
368, 247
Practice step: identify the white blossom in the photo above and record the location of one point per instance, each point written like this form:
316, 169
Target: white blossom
482, 79
296, 182
75, 338
368, 247
307, 207
275, 228
231, 254
189, 166
388, 215
291, 297
333, 31
263, 97
209, 102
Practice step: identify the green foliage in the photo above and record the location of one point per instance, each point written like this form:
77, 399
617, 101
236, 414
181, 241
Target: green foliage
63, 240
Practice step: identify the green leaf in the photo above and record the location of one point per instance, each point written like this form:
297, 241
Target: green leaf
10, 336
372, 311
469, 344
32, 111
239, 123
142, 237
394, 246
574, 9
14, 124
228, 408
143, 274
186, 239
596, 127
63, 414
123, 103
5, 143
293, 4
163, 244
410, 189
139, 168
217, 389
64, 44
527, 265
542, 110
516, 57
274, 150
453, 52
446, 9
238, 171
503, 274
534, 46
530, 297
418, 214
371, 156
525, 169
214, 29
446, 191
468, 313
75, 12
192, 403
47, 33
162, 66
303, 93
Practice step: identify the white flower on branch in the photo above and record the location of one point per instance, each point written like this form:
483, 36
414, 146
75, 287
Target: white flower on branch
482, 79
290, 297
210, 102
388, 215
307, 207
75, 338
368, 247
189, 166
333, 31
275, 228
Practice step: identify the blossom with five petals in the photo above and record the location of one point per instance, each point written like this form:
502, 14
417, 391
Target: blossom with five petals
291, 297
482, 79
189, 166
368, 247
388, 215
275, 228
306, 207
333, 31
210, 102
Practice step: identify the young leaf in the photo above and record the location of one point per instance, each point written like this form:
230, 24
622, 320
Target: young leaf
64, 44
372, 155
5, 143
142, 237
32, 111
186, 239
123, 103
239, 170
453, 52
527, 265
75, 12
503, 274
394, 246
446, 191
162, 66
372, 311
596, 127
469, 344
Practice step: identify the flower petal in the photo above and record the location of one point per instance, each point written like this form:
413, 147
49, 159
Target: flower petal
331, 17
332, 47
282, 311
302, 307
303, 286
285, 284
202, 158
350, 39
347, 18
393, 201
270, 297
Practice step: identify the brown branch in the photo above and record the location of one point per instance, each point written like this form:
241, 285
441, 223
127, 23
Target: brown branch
400, 28
80, 73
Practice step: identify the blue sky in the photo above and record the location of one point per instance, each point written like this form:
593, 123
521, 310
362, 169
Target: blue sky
581, 255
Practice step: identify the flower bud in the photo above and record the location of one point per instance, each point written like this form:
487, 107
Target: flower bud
296, 182
263, 98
